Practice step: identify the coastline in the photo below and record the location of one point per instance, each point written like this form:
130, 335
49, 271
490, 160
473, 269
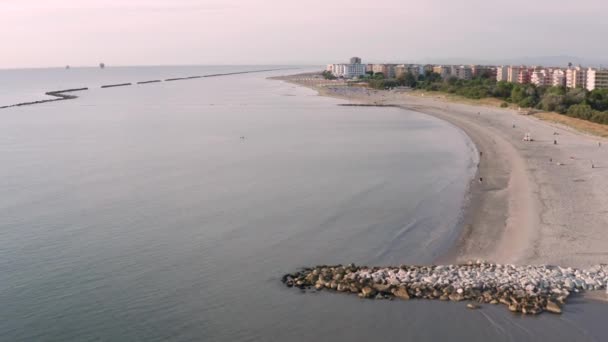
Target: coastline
538, 202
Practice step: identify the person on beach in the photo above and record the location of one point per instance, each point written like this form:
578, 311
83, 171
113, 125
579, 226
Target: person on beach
554, 142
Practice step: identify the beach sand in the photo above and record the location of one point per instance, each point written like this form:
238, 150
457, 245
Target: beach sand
531, 202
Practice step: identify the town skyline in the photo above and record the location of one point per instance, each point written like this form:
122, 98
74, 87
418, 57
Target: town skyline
573, 76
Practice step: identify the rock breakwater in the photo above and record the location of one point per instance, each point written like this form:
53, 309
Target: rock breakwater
527, 289
58, 94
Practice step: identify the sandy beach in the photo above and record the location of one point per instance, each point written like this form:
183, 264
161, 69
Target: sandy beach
538, 202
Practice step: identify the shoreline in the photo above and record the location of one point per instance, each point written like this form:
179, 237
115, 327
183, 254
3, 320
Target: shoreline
538, 202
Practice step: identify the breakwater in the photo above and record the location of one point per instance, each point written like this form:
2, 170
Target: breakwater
60, 95
366, 105
116, 85
527, 289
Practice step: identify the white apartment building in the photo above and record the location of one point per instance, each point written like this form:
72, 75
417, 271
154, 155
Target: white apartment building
558, 78
576, 77
513, 74
542, 78
347, 70
597, 79
501, 73
354, 70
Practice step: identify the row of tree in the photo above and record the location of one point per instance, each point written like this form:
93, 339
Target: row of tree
578, 102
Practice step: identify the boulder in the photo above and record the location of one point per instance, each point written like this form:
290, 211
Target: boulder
553, 307
455, 297
401, 292
382, 287
367, 292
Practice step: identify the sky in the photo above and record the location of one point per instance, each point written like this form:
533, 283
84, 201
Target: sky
43, 33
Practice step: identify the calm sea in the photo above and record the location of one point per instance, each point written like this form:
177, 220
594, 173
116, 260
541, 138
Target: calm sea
140, 214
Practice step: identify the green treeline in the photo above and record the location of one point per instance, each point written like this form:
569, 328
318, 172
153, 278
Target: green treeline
577, 103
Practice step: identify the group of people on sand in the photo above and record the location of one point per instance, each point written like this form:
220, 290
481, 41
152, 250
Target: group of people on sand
528, 137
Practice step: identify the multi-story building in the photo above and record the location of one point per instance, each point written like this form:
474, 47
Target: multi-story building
442, 70
502, 73
400, 70
558, 78
354, 70
524, 76
464, 73
541, 78
481, 70
513, 74
403, 69
597, 79
576, 77
351, 70
380, 68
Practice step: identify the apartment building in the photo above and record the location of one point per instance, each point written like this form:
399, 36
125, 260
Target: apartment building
502, 73
597, 79
541, 78
442, 70
388, 70
351, 70
464, 72
558, 78
576, 77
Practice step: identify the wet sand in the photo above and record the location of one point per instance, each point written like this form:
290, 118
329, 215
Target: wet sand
531, 202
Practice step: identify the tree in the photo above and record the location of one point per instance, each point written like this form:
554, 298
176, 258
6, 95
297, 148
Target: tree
503, 89
553, 103
575, 96
432, 76
328, 75
581, 111
452, 80
378, 76
407, 79
598, 99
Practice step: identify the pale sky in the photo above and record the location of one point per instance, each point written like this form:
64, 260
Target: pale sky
38, 33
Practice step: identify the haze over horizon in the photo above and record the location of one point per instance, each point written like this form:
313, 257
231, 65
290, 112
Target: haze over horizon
161, 32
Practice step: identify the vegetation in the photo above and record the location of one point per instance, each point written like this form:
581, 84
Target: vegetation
328, 75
576, 103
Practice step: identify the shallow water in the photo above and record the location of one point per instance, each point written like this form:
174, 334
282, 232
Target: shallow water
138, 213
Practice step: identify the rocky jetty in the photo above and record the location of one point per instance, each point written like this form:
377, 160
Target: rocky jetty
526, 289
60, 96
115, 85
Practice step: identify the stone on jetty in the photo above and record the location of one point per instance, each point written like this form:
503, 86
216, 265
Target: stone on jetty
526, 289
401, 292
553, 307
